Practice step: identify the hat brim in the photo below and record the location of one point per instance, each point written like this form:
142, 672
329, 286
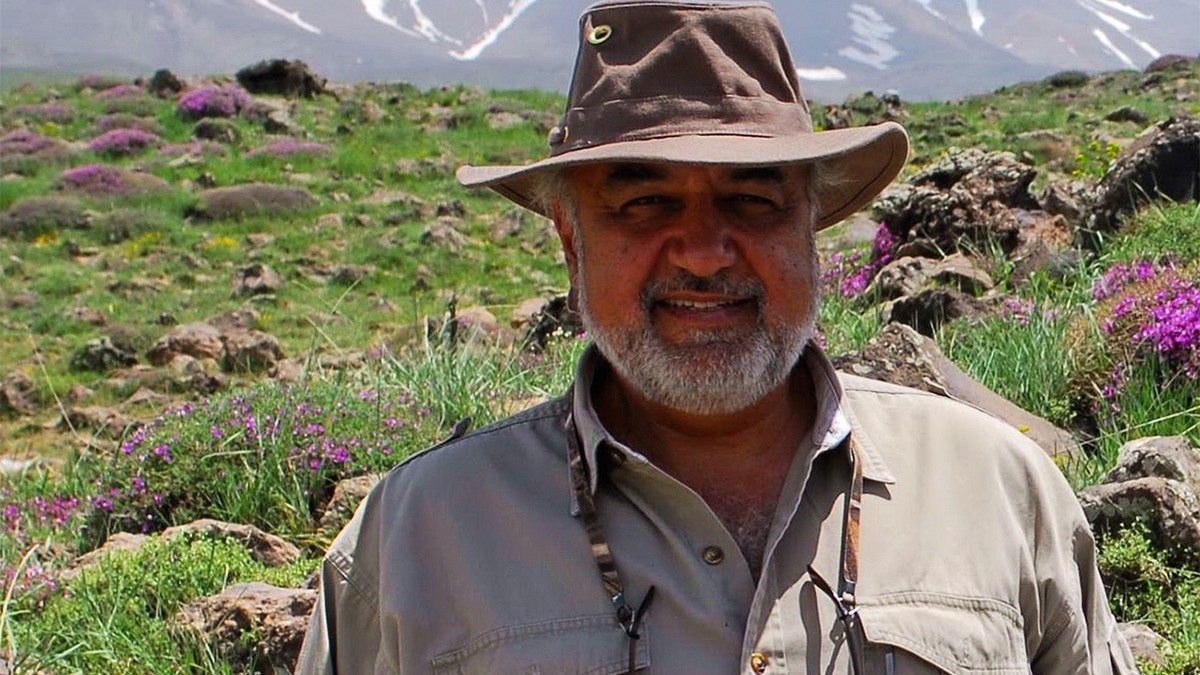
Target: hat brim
861, 160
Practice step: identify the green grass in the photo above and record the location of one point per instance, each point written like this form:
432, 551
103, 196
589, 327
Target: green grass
118, 617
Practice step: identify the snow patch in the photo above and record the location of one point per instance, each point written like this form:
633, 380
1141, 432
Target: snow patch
515, 9
1125, 9
1123, 28
294, 17
1112, 49
871, 35
826, 74
977, 17
374, 9
928, 5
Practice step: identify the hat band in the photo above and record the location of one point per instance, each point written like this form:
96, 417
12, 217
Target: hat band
666, 116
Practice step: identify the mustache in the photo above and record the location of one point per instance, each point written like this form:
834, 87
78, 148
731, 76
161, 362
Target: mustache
721, 283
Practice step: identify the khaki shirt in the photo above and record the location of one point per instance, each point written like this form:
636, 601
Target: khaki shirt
975, 555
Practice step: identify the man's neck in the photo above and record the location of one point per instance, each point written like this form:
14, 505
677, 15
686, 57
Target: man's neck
736, 462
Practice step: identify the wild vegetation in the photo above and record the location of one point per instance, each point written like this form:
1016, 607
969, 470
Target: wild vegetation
107, 234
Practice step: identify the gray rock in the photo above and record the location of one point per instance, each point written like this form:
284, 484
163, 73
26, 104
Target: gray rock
444, 233
250, 351
907, 276
101, 420
256, 279
253, 623
16, 395
929, 308
1127, 113
101, 355
961, 202
198, 340
1145, 645
1156, 481
347, 495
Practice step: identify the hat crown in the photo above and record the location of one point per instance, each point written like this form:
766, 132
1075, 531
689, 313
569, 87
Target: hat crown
660, 69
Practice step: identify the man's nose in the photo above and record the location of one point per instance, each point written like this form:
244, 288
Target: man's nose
701, 243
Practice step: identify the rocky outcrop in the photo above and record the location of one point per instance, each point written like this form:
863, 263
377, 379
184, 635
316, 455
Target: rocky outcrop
280, 77
227, 341
963, 202
1163, 162
1156, 482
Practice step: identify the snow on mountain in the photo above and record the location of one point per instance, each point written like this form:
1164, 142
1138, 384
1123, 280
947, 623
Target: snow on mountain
922, 48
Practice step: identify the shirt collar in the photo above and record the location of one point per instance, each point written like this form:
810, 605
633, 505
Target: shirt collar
832, 425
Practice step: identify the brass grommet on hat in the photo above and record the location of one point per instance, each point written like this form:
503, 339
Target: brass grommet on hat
599, 34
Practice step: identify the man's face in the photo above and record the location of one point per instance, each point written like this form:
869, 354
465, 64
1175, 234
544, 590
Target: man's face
697, 283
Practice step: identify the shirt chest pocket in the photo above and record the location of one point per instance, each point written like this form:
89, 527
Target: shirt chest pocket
591, 645
921, 633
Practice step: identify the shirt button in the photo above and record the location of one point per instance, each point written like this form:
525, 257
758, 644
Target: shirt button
713, 555
758, 662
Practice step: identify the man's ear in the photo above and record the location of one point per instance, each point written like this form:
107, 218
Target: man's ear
566, 235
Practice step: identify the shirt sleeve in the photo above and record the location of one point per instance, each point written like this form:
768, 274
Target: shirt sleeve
344, 633
1080, 635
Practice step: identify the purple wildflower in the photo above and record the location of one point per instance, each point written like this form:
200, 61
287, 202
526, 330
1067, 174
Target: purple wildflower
224, 100
1173, 326
122, 142
23, 142
94, 179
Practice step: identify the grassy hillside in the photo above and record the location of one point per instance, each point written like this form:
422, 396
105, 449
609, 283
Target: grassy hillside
371, 268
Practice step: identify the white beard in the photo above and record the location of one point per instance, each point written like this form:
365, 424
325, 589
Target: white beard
715, 372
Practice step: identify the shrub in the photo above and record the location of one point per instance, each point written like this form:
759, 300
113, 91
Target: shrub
121, 91
239, 201
224, 100
46, 112
127, 121
99, 82
37, 216
268, 457
94, 179
24, 143
104, 180
123, 142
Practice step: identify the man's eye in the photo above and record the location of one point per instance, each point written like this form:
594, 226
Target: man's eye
646, 200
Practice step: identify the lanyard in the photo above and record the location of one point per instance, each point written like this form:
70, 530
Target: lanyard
629, 617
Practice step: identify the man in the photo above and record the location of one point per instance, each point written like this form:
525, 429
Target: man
710, 497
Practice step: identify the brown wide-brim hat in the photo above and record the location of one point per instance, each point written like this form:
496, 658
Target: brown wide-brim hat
699, 83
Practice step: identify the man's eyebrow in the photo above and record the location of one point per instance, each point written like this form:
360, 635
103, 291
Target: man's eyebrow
767, 174
631, 172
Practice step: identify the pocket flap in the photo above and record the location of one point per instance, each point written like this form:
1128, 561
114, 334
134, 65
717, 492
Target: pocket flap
588, 645
956, 634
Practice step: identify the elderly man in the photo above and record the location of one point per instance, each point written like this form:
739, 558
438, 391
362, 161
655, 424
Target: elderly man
710, 496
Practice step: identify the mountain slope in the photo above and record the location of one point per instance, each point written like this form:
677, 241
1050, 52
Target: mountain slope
922, 48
